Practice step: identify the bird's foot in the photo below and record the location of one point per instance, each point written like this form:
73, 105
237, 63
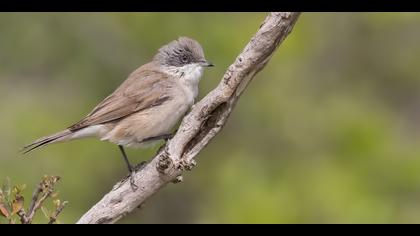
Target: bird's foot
133, 184
133, 172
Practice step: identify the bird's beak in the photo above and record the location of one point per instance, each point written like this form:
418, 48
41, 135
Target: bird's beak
206, 64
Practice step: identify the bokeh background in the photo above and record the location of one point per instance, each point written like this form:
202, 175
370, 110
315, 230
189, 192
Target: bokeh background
328, 132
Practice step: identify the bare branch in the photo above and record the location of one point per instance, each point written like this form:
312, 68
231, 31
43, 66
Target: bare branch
205, 120
35, 196
60, 207
41, 193
23, 216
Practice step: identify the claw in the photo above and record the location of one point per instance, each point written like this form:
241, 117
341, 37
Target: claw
138, 167
133, 182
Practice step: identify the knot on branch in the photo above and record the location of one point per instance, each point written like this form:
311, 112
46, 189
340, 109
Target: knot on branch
187, 164
164, 162
178, 179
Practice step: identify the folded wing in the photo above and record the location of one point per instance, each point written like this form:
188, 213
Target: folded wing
143, 90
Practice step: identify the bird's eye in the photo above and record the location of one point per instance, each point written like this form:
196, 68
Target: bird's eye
184, 58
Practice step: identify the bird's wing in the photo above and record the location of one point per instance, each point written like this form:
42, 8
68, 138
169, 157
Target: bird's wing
142, 90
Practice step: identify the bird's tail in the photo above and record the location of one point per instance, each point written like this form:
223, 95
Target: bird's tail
57, 137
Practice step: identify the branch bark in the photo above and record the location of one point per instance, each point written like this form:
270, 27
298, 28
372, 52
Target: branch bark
205, 120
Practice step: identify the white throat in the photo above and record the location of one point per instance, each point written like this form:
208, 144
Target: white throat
188, 75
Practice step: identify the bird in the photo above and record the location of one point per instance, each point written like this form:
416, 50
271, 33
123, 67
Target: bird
145, 108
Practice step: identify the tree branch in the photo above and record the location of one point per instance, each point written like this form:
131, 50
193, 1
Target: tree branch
44, 190
59, 208
205, 120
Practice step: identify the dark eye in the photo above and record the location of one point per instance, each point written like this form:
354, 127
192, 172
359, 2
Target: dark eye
184, 58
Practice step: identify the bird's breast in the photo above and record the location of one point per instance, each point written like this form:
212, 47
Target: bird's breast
160, 119
153, 122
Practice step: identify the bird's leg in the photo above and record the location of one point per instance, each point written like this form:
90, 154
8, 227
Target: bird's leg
127, 162
130, 168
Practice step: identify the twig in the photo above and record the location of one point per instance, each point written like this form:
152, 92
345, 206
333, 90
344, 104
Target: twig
40, 194
39, 203
23, 216
53, 217
35, 196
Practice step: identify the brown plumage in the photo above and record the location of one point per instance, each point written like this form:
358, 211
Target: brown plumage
146, 87
147, 104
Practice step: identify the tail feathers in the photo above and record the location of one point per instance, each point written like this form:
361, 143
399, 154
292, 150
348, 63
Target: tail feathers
60, 136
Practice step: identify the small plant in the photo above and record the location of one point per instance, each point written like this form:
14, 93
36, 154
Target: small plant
12, 202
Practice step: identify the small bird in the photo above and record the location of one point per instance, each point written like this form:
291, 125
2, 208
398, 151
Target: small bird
147, 105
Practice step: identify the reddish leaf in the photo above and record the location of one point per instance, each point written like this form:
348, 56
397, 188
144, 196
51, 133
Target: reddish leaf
3, 210
17, 204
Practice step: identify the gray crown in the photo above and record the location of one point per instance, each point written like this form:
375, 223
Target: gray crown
180, 52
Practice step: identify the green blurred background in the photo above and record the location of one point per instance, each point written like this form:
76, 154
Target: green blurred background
328, 132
